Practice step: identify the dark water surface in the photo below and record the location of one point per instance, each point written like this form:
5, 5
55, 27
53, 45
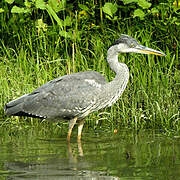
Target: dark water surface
125, 155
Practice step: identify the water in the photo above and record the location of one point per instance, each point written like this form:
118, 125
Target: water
31, 155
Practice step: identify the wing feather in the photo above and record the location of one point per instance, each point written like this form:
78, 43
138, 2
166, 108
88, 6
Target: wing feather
64, 97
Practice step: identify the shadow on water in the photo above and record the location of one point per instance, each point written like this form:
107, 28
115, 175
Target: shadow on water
125, 155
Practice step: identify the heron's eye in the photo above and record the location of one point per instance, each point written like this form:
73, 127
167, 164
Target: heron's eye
132, 45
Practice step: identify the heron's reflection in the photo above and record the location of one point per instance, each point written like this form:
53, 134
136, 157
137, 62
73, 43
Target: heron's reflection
67, 161
80, 149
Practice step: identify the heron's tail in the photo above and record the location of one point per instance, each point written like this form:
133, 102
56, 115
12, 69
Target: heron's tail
15, 107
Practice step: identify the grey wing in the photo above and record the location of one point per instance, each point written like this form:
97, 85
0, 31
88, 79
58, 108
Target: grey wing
64, 97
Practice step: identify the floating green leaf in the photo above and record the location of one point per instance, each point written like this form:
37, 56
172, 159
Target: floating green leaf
110, 9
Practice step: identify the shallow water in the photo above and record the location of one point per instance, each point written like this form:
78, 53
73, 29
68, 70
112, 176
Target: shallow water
104, 155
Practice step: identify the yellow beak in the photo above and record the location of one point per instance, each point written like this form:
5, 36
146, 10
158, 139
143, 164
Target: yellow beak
146, 50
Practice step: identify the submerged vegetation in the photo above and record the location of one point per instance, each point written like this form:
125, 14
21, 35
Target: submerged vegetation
41, 40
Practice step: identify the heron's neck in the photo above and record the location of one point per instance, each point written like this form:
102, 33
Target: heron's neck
115, 88
119, 68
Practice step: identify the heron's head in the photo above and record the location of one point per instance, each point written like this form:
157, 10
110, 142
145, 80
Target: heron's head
127, 44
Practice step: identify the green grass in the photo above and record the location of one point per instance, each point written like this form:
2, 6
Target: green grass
151, 99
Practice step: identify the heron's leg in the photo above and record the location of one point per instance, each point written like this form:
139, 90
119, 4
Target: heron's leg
80, 127
72, 122
80, 149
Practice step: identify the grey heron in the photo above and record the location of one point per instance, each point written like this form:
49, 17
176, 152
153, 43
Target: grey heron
72, 97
